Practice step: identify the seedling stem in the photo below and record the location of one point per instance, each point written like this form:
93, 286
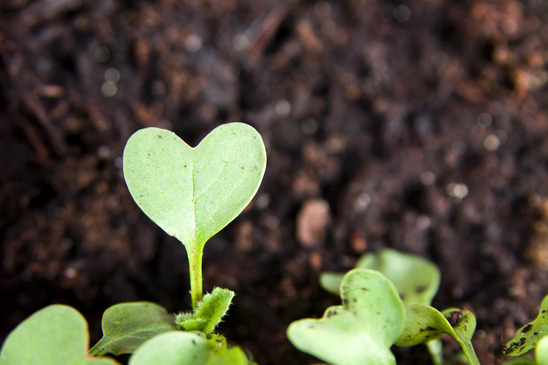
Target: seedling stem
195, 270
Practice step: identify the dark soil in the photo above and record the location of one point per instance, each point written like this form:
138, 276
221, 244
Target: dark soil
417, 125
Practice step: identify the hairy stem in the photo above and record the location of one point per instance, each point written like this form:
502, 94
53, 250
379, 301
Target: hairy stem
195, 270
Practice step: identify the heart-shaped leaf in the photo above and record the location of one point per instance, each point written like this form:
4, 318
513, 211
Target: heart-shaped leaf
128, 325
526, 337
424, 323
360, 331
193, 193
416, 279
57, 334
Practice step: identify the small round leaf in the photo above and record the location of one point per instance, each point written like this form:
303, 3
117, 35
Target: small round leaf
57, 334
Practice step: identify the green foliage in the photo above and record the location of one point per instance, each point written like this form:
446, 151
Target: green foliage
128, 325
520, 361
54, 335
193, 193
541, 355
176, 348
541, 351
527, 337
424, 323
361, 330
416, 279
209, 313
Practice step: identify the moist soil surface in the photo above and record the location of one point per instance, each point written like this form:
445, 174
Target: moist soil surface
416, 125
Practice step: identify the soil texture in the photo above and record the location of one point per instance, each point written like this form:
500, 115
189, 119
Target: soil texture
416, 125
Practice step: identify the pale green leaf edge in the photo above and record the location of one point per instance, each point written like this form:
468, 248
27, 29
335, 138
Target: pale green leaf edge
141, 150
527, 336
359, 353
127, 325
48, 336
192, 348
395, 265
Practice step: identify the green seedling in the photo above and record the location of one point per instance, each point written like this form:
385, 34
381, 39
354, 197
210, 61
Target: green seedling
541, 355
126, 326
416, 279
193, 193
528, 336
209, 313
424, 323
176, 348
57, 334
361, 330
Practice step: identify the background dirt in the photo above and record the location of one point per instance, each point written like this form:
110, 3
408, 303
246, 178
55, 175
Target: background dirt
418, 125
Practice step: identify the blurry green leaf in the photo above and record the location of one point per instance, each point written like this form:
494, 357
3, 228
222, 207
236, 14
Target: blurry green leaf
526, 337
435, 349
331, 281
192, 348
55, 335
416, 279
541, 351
424, 323
173, 348
226, 355
362, 330
520, 361
128, 325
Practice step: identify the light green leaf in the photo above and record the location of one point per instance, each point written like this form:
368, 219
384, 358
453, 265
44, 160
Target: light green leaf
178, 348
520, 361
526, 337
173, 348
424, 323
226, 355
416, 279
229, 356
57, 334
331, 281
128, 325
541, 351
360, 331
193, 193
